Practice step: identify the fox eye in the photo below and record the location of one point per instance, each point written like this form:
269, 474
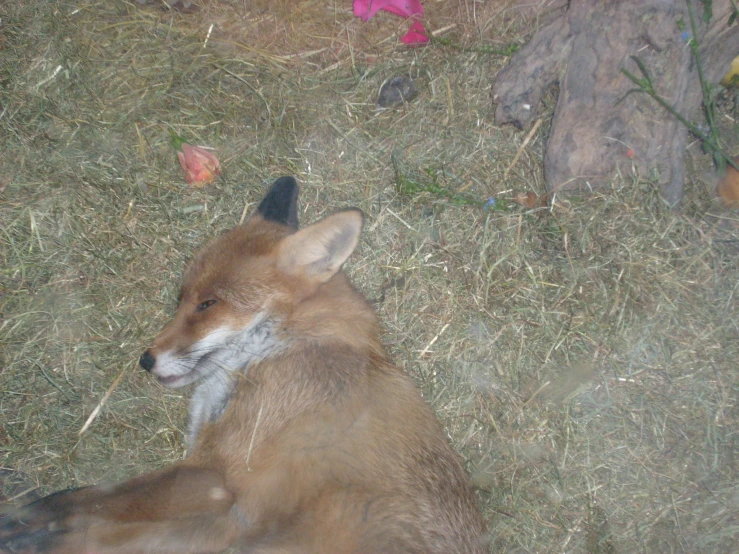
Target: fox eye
203, 305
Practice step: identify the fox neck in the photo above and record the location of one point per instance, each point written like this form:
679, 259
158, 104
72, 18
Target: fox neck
259, 340
335, 316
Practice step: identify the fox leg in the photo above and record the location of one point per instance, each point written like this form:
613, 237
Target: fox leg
180, 492
198, 535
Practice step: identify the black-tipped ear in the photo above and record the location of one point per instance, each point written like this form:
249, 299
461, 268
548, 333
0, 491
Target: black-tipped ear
281, 202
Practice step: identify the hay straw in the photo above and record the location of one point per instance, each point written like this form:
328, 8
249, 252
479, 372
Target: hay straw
523, 146
627, 309
103, 400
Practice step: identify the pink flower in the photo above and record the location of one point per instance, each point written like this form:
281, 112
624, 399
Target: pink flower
416, 36
200, 165
365, 9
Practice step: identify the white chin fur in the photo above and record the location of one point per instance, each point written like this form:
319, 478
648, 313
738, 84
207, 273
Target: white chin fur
212, 353
215, 361
172, 372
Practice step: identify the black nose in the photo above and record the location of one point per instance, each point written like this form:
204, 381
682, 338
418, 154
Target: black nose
147, 361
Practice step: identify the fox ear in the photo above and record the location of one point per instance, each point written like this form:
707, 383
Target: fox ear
281, 202
318, 251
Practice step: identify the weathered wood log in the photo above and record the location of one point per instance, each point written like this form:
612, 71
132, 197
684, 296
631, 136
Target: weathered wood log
583, 50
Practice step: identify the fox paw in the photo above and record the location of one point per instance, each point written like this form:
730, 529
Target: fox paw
37, 527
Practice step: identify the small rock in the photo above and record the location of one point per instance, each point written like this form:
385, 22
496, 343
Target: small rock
395, 91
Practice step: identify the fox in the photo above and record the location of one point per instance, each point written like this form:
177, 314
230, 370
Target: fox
302, 438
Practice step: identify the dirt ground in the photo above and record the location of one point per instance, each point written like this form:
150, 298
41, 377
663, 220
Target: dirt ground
582, 355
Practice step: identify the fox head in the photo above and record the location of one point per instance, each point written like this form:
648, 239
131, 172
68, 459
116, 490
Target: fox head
240, 289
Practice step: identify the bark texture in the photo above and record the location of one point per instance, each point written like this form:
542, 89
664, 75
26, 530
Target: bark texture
583, 50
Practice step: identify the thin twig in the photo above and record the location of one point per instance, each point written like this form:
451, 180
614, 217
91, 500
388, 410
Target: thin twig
102, 402
521, 148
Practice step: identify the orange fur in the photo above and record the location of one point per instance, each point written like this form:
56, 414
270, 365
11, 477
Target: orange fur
322, 445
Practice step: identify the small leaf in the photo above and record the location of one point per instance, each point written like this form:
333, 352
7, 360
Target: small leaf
529, 200
177, 141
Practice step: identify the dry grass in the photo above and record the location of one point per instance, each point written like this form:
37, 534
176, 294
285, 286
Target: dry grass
583, 358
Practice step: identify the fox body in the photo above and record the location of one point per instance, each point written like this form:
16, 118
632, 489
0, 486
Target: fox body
303, 438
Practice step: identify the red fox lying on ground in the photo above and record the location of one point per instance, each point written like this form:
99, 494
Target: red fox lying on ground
303, 438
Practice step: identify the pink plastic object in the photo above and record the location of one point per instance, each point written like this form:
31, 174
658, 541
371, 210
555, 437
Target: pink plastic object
365, 9
416, 36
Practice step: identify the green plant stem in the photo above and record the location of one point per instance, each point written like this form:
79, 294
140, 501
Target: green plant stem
485, 49
708, 104
647, 88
